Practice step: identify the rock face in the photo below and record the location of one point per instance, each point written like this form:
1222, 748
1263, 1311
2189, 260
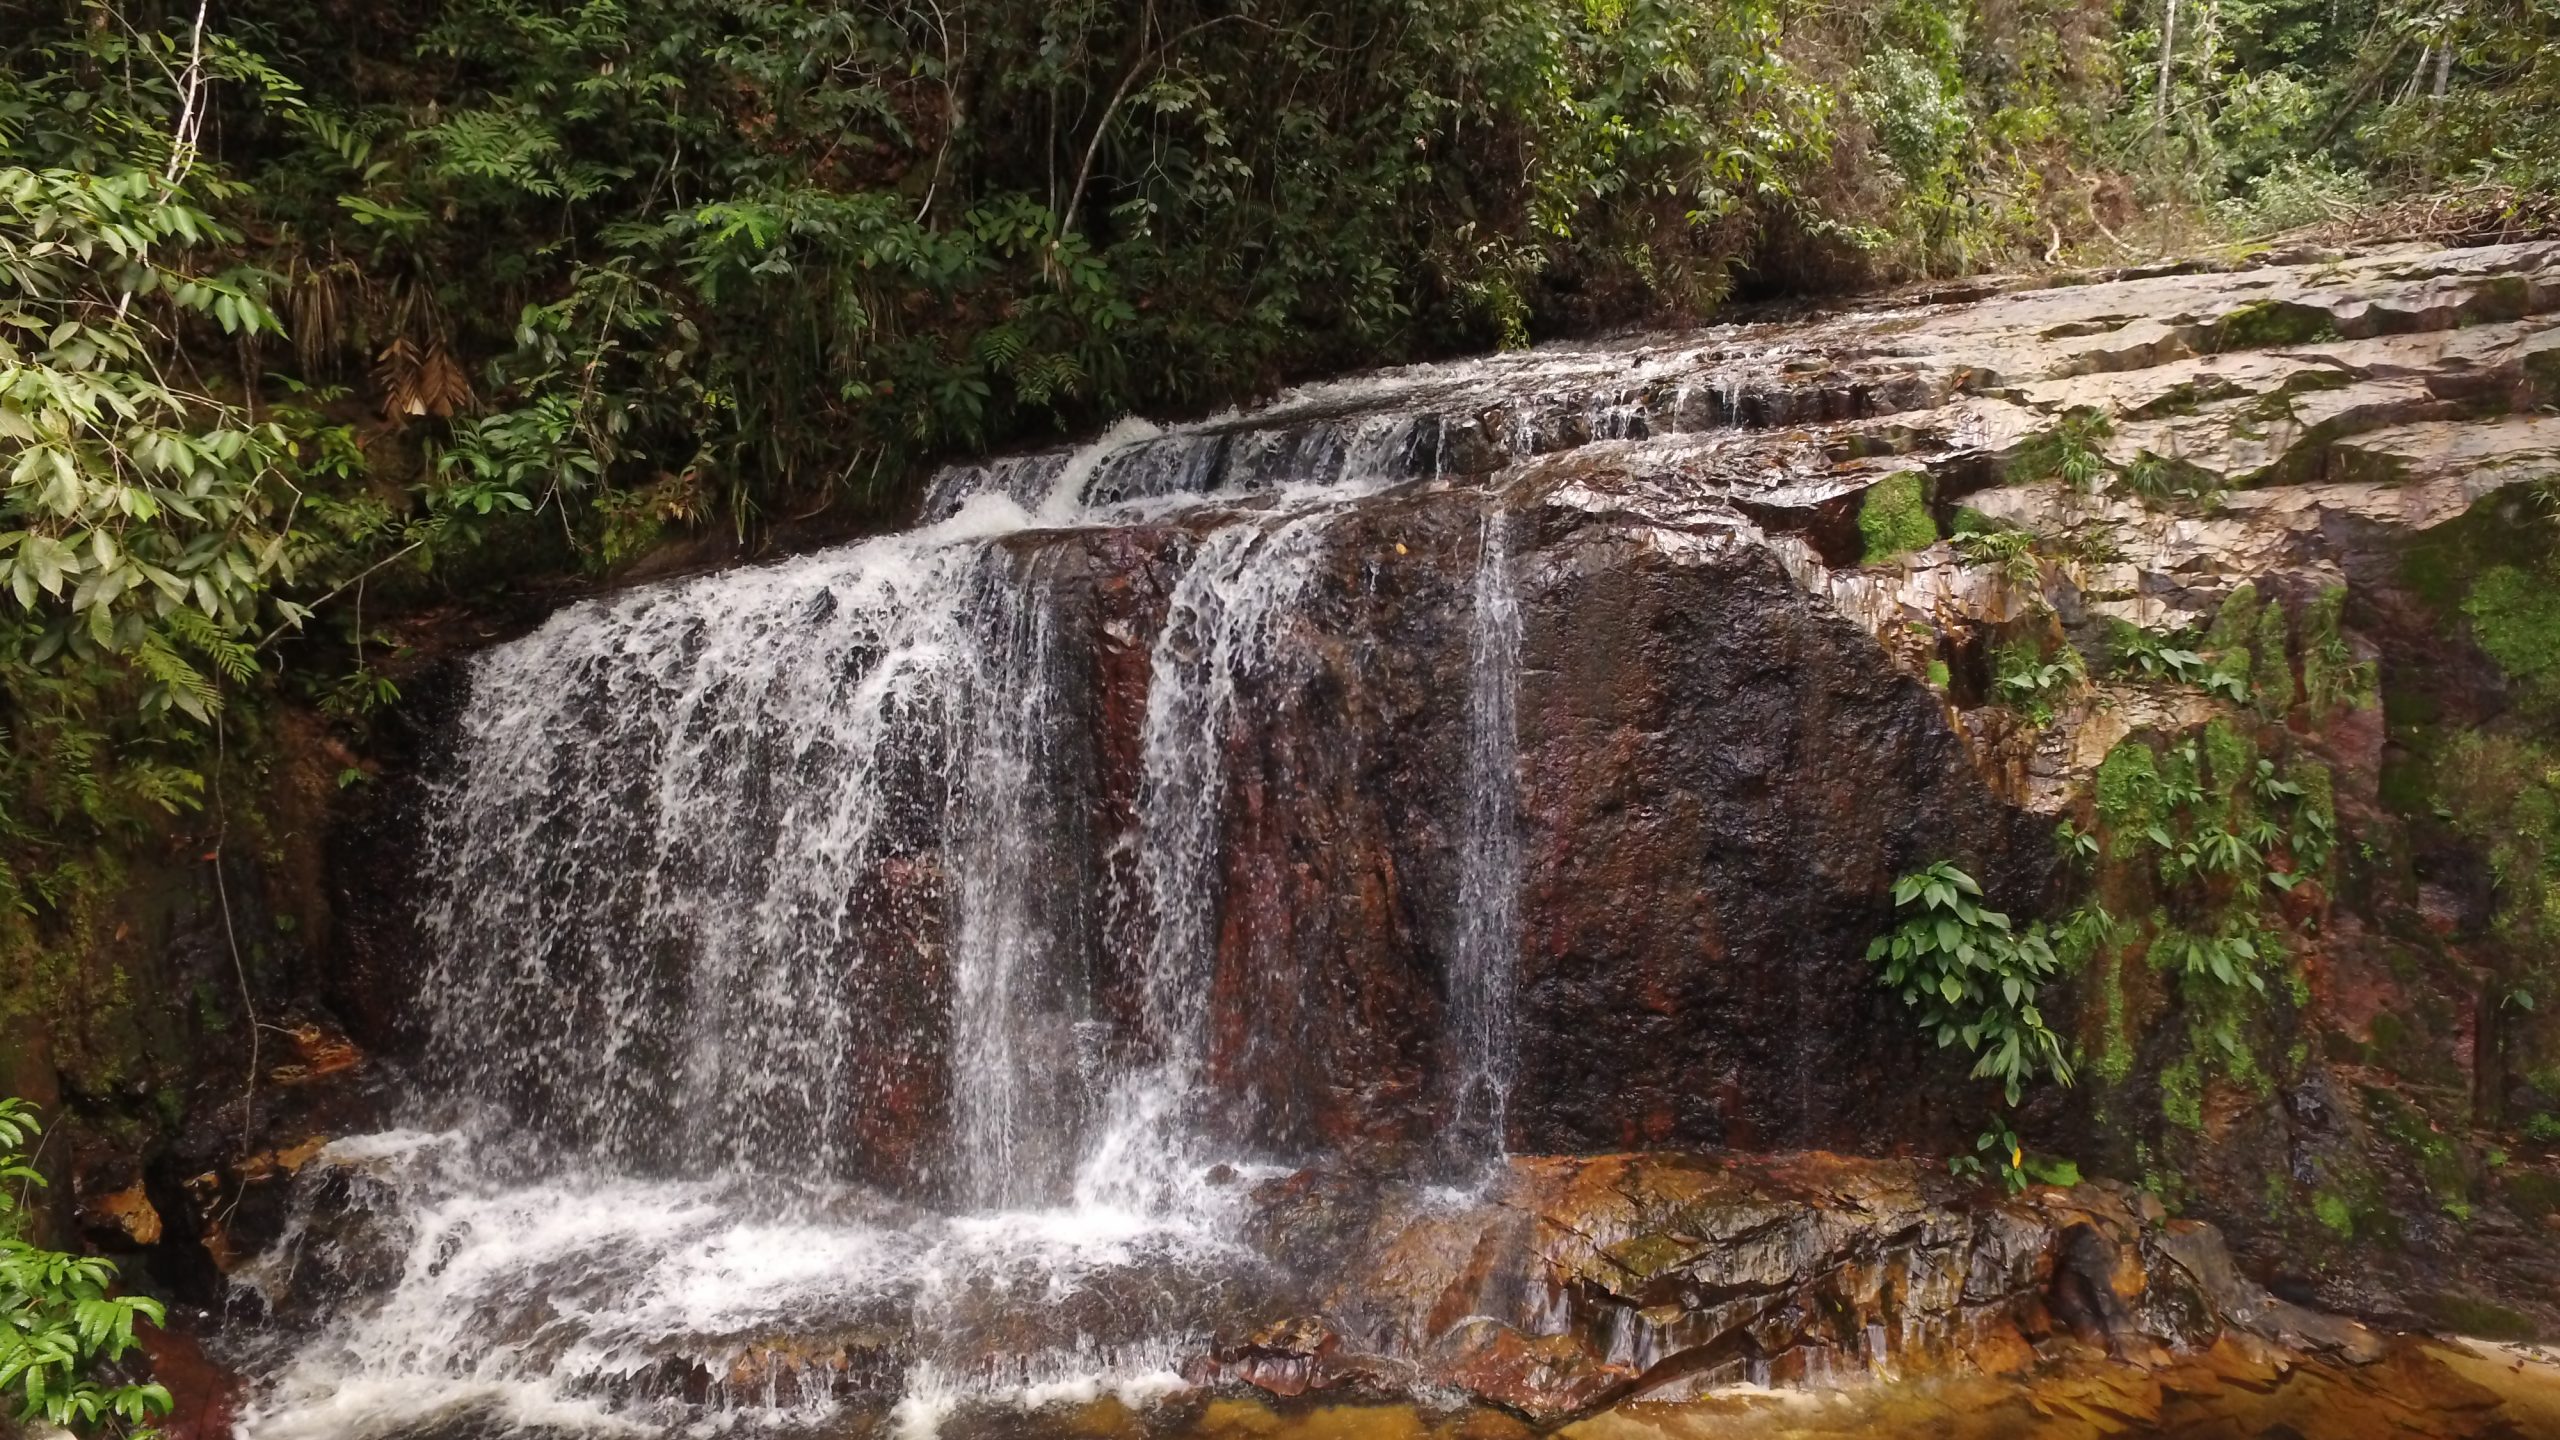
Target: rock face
1562, 1287
1577, 1283
1720, 780
1515, 758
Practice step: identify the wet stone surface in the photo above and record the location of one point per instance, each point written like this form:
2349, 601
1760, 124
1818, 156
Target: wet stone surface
1359, 899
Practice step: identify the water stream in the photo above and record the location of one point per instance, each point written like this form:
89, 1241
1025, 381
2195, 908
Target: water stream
1485, 944
732, 878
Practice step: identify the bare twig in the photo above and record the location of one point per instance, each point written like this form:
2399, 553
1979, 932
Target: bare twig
182, 140
239, 967
295, 627
182, 136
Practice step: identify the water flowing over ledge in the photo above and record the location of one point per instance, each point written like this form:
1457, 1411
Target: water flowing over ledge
1189, 912
748, 868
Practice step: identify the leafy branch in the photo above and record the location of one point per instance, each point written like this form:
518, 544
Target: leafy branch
60, 1321
1971, 977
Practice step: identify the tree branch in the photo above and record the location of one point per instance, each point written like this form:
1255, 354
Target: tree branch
1093, 147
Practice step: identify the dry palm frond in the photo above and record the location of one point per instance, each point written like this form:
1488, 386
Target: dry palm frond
416, 372
322, 305
420, 380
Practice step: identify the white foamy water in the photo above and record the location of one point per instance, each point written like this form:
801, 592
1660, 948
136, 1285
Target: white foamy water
594, 1302
768, 1069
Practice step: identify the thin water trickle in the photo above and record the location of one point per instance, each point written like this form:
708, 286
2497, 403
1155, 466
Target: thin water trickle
1485, 933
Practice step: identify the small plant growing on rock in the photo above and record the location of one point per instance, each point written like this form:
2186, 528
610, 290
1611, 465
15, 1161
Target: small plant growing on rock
2149, 655
2010, 1161
2331, 673
2028, 681
2073, 451
2229, 958
2009, 553
58, 1322
1972, 977
2161, 481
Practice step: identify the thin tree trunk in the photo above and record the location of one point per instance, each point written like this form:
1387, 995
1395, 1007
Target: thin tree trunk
2160, 88
2488, 1055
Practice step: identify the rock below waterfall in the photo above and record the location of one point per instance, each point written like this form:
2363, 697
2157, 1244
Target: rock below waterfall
1570, 1284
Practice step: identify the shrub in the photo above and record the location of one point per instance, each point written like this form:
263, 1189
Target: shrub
58, 1321
1972, 976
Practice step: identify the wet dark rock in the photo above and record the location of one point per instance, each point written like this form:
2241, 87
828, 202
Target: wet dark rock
1732, 735
2197, 1250
1721, 778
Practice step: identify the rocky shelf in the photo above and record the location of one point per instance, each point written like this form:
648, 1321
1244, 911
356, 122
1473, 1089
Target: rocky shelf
1461, 799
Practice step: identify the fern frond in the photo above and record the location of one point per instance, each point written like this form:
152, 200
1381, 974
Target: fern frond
182, 684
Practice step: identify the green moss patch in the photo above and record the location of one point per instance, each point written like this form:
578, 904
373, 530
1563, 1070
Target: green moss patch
2515, 617
2533, 1194
1894, 519
2272, 322
2477, 1318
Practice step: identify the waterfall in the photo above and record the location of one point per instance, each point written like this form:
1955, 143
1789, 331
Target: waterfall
765, 910
1225, 620
834, 982
689, 830
1014, 1013
833, 976
1485, 940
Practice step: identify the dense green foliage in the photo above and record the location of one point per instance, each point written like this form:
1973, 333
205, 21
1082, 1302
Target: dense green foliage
1968, 976
60, 1321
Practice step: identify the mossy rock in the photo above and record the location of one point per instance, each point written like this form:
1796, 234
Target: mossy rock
2272, 322
1894, 519
2127, 780
2477, 1318
2533, 1194
2515, 618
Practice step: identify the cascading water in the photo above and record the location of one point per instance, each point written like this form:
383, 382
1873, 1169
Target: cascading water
736, 870
1484, 948
1225, 618
792, 977
687, 826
